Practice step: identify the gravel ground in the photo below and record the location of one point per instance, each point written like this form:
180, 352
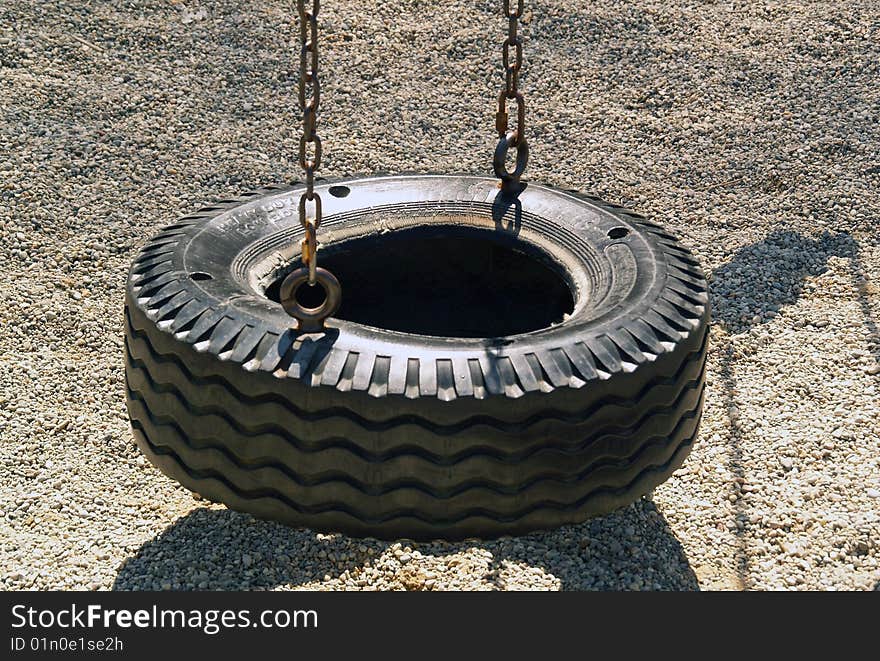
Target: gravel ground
748, 128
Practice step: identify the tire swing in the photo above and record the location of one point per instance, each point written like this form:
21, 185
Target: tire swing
505, 358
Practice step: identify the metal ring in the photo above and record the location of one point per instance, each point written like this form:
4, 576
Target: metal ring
315, 160
310, 319
499, 163
311, 79
505, 53
517, 11
501, 119
303, 215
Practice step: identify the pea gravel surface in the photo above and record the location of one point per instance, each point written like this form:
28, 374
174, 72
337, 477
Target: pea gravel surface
750, 129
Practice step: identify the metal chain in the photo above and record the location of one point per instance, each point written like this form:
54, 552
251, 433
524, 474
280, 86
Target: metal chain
309, 319
512, 66
309, 100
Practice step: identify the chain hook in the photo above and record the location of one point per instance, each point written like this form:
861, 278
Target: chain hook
310, 249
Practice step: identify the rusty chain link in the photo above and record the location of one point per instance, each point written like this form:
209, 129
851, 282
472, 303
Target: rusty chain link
517, 137
309, 100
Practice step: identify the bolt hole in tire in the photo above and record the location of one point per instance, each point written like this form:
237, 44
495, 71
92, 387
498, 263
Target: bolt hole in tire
500, 363
339, 191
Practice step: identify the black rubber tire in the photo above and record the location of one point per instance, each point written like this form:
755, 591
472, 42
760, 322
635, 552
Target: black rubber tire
390, 435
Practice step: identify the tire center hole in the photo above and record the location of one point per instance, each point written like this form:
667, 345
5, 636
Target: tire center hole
442, 281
